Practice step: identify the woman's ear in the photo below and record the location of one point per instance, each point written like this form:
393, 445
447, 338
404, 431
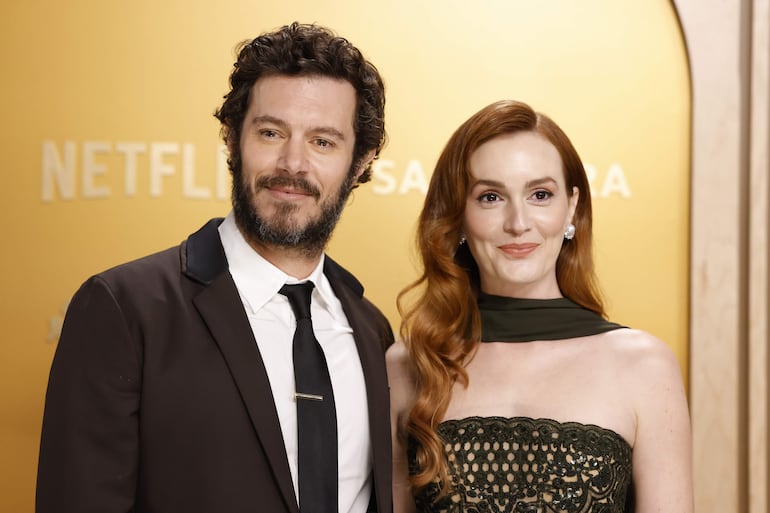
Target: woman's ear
573, 202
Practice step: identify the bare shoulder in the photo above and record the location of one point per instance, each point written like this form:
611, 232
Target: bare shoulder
642, 351
398, 361
401, 377
648, 368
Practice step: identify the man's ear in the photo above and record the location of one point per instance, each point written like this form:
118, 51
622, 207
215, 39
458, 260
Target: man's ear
230, 148
363, 163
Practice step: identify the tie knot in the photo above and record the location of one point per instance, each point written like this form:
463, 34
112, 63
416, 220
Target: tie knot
299, 298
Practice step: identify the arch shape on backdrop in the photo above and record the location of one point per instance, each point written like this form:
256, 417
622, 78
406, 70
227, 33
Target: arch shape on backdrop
730, 252
113, 151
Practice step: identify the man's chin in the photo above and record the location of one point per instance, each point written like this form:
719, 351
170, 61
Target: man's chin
300, 211
304, 226
287, 232
288, 223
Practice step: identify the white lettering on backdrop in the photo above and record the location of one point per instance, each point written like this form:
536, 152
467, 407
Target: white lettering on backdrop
73, 170
70, 165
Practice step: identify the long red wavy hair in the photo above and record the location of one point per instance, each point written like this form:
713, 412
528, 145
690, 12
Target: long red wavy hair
441, 324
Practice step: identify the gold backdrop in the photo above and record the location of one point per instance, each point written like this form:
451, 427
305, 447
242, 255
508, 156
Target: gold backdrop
110, 149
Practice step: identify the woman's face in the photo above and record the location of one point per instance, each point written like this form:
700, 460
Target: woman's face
516, 212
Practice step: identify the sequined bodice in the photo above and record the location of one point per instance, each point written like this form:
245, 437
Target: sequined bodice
517, 465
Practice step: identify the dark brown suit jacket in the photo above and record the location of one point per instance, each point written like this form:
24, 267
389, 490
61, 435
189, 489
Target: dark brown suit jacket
158, 399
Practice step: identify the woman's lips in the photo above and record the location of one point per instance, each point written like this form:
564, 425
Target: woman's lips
518, 250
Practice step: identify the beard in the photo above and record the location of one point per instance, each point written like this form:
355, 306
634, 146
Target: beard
281, 229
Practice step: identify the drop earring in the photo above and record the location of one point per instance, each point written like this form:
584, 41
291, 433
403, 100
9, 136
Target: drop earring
569, 233
462, 239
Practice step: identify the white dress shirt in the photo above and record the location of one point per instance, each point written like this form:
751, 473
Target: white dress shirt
273, 323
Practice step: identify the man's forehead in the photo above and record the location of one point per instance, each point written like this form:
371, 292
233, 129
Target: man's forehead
316, 105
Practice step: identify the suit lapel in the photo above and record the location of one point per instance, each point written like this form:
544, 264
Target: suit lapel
219, 305
368, 340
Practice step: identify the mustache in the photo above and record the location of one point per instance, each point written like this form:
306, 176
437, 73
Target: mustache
299, 183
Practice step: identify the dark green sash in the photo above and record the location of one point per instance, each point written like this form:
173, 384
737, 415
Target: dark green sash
505, 319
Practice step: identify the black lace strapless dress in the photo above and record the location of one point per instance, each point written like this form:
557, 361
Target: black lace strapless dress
517, 465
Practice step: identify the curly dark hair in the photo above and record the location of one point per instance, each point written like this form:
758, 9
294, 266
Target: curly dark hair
305, 50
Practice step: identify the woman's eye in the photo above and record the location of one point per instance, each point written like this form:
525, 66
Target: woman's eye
542, 195
489, 197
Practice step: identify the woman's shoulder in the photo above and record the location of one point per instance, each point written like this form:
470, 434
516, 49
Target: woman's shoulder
397, 356
637, 343
399, 363
643, 352
401, 380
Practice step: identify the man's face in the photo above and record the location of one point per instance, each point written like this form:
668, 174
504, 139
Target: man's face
296, 145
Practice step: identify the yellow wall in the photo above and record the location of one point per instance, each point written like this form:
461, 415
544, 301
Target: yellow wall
127, 89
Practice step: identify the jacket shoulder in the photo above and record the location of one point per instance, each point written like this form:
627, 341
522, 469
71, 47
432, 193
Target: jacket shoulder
200, 258
144, 270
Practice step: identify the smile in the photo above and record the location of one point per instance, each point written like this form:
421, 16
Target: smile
518, 250
286, 188
288, 193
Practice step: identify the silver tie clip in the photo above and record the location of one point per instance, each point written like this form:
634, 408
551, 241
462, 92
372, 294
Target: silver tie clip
310, 397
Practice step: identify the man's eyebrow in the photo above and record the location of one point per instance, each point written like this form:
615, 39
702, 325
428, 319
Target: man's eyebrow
270, 120
327, 130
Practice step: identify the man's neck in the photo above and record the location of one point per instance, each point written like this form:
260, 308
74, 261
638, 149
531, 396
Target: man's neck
297, 263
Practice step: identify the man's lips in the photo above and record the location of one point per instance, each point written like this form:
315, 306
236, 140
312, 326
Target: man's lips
519, 250
288, 192
287, 188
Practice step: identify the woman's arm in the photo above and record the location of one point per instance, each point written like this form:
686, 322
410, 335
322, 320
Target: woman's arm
662, 456
402, 386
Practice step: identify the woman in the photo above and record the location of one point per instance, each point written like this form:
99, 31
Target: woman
510, 391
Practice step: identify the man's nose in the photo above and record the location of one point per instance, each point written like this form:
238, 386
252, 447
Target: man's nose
293, 156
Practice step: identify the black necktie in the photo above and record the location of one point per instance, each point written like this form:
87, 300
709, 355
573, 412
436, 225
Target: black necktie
316, 416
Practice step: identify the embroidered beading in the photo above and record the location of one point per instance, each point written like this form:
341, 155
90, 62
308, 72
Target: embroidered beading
523, 465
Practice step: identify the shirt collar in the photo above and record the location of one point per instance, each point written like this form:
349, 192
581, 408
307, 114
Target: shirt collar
257, 280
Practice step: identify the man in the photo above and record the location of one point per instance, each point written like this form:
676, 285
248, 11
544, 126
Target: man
173, 385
